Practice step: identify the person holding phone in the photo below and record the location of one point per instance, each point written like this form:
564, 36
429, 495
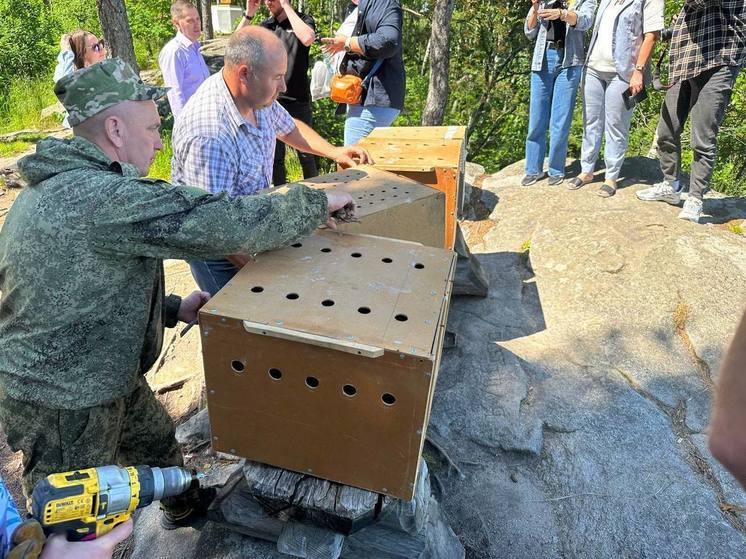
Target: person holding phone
620, 49
558, 30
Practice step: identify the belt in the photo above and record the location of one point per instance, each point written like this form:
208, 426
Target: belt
556, 45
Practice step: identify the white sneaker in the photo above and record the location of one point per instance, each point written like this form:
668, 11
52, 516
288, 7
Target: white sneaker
664, 191
692, 209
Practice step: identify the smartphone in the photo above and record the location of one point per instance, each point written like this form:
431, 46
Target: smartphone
630, 101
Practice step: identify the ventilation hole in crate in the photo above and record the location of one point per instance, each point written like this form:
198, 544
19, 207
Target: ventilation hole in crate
349, 390
238, 366
257, 289
401, 317
383, 191
327, 249
364, 310
292, 296
296, 245
388, 399
359, 197
394, 187
395, 196
419, 266
356, 255
312, 382
406, 192
327, 303
370, 203
386, 260
358, 207
276, 374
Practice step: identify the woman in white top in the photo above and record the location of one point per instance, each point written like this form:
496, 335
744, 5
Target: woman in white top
620, 49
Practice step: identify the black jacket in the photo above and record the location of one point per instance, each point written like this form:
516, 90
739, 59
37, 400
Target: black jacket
379, 33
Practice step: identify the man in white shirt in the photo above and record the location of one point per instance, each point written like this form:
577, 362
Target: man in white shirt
183, 67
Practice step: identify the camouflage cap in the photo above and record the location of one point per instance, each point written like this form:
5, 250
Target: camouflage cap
90, 90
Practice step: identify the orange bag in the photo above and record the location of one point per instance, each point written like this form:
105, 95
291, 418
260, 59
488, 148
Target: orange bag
346, 89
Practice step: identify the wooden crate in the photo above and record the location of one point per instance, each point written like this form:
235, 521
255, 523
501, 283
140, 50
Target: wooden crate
388, 205
322, 358
431, 155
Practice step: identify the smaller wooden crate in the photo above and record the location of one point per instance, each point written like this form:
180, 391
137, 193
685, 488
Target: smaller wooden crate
388, 205
431, 155
322, 358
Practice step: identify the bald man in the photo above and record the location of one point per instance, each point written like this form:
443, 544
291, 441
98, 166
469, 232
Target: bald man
224, 139
82, 282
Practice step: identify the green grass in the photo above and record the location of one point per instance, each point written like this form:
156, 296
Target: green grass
736, 228
526, 245
8, 149
21, 105
161, 167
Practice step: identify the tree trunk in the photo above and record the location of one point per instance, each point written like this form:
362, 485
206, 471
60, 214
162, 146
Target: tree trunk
207, 18
440, 40
116, 28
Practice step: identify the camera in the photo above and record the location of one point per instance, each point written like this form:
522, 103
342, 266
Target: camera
666, 34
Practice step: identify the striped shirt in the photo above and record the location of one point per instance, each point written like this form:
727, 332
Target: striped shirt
707, 34
216, 148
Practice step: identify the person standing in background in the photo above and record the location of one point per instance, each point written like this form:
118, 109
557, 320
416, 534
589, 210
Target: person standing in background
78, 49
621, 45
373, 50
297, 31
182, 65
556, 69
708, 49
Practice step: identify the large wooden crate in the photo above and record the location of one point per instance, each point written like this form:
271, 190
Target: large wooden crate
431, 155
322, 358
387, 204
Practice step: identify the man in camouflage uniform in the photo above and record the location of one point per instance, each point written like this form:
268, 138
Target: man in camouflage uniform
83, 308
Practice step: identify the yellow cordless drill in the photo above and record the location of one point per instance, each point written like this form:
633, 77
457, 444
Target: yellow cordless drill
86, 504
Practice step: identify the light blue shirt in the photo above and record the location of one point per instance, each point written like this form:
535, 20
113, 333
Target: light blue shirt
183, 68
216, 148
574, 52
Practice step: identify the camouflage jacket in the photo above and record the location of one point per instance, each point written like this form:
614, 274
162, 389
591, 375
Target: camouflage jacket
81, 273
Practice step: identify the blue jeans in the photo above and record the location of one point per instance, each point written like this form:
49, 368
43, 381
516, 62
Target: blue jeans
362, 120
212, 275
553, 92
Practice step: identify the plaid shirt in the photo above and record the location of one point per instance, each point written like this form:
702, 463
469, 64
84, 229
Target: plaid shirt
217, 149
707, 34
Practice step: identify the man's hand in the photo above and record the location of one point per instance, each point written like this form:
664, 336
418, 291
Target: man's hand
333, 45
252, 7
350, 156
57, 546
636, 83
191, 304
337, 200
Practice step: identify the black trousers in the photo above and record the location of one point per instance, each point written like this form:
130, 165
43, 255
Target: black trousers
302, 111
703, 99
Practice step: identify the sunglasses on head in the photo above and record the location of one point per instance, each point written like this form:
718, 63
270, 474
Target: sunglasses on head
98, 47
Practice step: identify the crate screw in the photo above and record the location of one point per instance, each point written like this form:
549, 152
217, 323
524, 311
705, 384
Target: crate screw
232, 450
385, 490
309, 470
419, 431
223, 320
214, 438
212, 392
213, 311
401, 356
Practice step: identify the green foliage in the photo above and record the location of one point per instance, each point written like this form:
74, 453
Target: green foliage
150, 21
26, 39
21, 105
161, 167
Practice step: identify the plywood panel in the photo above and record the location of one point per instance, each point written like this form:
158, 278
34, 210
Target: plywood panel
388, 205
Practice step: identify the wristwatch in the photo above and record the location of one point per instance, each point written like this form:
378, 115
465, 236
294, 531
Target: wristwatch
639, 68
348, 46
247, 16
